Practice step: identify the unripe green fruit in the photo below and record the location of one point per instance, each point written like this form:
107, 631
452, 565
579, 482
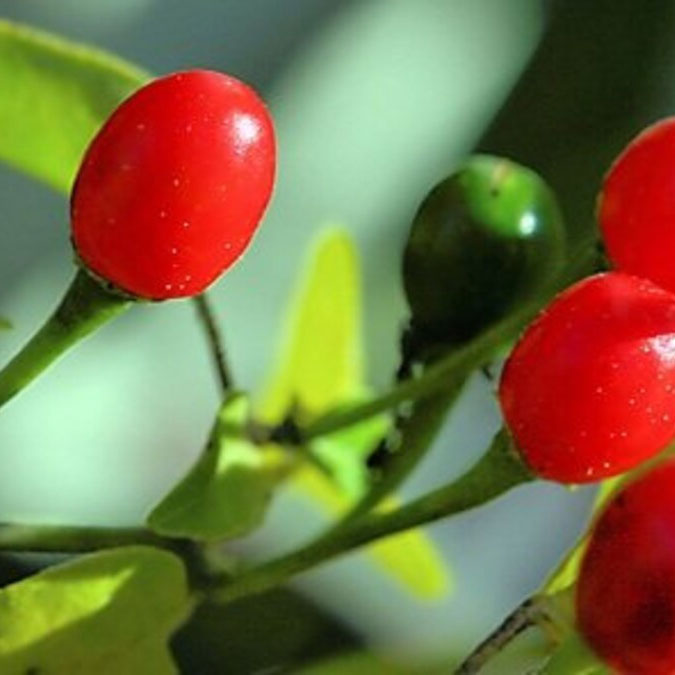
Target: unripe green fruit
483, 241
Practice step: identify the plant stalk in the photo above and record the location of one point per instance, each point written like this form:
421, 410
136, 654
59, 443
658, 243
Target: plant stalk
85, 306
527, 615
463, 359
215, 341
74, 539
417, 435
495, 473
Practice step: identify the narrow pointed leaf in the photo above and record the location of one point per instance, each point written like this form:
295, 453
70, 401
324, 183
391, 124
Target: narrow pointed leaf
321, 363
321, 368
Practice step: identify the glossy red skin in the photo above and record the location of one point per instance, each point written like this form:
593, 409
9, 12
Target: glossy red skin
636, 208
626, 588
589, 390
174, 185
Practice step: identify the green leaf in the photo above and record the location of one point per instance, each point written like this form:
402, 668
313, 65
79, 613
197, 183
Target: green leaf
105, 613
367, 663
410, 558
321, 368
5, 324
321, 364
414, 437
227, 491
566, 573
55, 95
344, 454
354, 663
568, 570
262, 633
574, 657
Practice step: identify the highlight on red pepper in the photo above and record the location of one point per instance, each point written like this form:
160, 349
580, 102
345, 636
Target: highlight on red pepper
589, 390
636, 206
174, 185
168, 197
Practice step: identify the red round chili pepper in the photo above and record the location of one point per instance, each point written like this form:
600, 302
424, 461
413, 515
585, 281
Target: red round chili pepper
174, 185
626, 588
636, 208
589, 390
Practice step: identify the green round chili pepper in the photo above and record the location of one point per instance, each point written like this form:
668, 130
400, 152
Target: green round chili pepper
483, 241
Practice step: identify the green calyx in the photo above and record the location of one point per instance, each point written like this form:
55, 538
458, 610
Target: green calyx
483, 241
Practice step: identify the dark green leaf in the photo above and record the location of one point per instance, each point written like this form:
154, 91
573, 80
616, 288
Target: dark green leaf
264, 633
356, 663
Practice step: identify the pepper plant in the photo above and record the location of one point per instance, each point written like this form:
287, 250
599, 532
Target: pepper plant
168, 180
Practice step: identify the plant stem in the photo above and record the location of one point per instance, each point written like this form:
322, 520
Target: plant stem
215, 339
553, 614
463, 359
202, 572
85, 306
417, 434
74, 539
434, 378
497, 472
525, 616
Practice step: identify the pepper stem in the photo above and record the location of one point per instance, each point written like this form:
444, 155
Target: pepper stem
495, 473
215, 340
86, 305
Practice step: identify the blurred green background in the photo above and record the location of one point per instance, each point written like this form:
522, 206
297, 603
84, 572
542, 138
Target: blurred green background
375, 101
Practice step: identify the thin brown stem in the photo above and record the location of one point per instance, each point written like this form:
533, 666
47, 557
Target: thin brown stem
214, 337
552, 614
526, 615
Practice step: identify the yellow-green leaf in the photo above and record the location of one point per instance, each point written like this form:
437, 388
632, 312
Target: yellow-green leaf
413, 560
574, 657
410, 559
321, 368
344, 454
228, 490
321, 363
54, 95
105, 613
566, 573
355, 663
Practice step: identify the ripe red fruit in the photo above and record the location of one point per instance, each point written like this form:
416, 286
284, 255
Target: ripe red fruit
626, 589
174, 185
589, 390
636, 208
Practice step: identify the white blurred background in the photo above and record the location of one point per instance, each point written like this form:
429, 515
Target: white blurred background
375, 101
